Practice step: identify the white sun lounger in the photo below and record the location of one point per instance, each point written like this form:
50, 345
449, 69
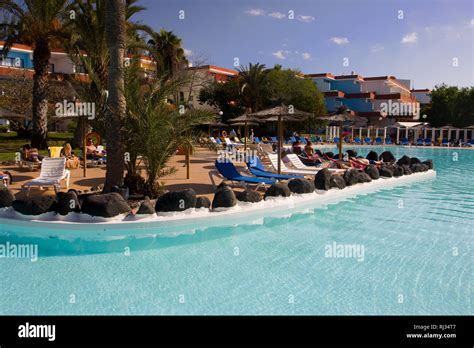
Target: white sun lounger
53, 171
229, 142
296, 162
284, 169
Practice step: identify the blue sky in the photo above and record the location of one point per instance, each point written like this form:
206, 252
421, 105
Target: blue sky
429, 42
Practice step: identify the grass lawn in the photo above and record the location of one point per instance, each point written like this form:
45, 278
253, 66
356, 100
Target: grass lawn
10, 143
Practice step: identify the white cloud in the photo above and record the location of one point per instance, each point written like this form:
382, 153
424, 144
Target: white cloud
277, 15
471, 23
188, 53
280, 54
376, 48
410, 38
306, 55
340, 40
306, 19
255, 12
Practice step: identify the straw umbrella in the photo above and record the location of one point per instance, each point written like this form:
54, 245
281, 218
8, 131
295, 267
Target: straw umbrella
214, 123
342, 115
245, 120
280, 114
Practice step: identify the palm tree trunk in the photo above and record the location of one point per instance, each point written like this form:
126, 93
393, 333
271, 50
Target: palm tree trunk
41, 55
115, 36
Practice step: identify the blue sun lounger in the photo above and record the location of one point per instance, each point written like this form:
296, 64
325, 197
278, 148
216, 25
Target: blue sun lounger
368, 141
255, 166
420, 141
404, 141
229, 172
378, 141
388, 141
357, 140
428, 141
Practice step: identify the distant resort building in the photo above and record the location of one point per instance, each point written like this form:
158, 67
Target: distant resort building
200, 77
384, 100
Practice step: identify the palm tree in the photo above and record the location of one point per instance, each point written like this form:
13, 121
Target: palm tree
37, 24
253, 85
166, 49
87, 45
115, 30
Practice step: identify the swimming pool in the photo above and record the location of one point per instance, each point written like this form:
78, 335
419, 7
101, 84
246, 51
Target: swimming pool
414, 256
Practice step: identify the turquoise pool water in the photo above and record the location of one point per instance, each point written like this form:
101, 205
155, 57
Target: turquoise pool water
418, 259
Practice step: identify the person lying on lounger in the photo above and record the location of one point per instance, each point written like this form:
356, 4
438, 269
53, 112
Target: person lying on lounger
91, 150
31, 154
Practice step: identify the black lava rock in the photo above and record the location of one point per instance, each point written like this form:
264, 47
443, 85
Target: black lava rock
278, 189
429, 163
301, 186
387, 156
354, 176
398, 171
67, 203
352, 153
248, 195
373, 172
373, 156
414, 160
385, 172
6, 197
34, 205
405, 160
176, 201
406, 170
419, 167
203, 202
337, 181
224, 198
329, 154
146, 207
321, 179
105, 205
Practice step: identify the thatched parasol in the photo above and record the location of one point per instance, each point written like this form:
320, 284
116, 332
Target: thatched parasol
280, 114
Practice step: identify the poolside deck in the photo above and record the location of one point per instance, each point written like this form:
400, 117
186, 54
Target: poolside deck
201, 163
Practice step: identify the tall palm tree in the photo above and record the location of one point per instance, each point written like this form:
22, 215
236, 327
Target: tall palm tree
36, 23
115, 30
253, 85
166, 49
87, 45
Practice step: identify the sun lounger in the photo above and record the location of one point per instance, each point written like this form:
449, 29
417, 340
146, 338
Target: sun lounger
368, 141
336, 140
420, 141
229, 143
357, 141
53, 172
404, 141
297, 163
255, 166
229, 172
388, 141
378, 141
428, 142
445, 142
